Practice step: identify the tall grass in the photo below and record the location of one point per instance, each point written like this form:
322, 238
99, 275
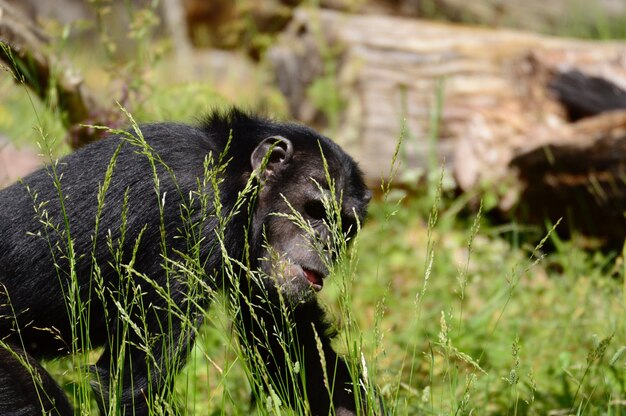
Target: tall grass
486, 341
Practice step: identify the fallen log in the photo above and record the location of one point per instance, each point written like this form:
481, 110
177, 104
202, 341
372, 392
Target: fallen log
482, 101
16, 163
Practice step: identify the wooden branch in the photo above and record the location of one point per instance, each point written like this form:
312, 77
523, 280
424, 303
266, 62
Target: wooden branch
23, 48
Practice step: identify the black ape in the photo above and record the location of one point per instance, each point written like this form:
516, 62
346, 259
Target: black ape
126, 247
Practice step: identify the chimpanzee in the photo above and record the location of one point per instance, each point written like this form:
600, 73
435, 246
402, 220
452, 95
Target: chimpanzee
123, 243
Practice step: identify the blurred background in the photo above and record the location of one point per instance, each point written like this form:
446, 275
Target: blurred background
490, 276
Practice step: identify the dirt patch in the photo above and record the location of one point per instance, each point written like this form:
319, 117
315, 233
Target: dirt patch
16, 163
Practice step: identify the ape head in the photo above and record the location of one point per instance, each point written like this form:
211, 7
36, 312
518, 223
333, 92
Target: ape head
310, 202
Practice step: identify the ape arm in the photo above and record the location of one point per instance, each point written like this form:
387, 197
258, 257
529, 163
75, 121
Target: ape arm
26, 388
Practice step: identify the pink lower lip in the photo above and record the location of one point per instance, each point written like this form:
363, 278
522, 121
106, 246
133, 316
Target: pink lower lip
315, 279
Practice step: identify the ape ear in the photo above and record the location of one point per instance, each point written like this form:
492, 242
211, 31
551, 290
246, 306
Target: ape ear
275, 151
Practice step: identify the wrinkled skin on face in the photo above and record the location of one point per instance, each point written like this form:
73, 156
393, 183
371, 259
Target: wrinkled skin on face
307, 215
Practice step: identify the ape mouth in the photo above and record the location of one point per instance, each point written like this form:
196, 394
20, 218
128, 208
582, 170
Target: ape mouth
315, 278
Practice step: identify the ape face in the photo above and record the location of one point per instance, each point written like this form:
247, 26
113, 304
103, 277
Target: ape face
308, 212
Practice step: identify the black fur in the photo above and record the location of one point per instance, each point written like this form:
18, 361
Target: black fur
35, 268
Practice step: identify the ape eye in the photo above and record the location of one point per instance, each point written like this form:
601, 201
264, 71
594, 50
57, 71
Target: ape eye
315, 210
